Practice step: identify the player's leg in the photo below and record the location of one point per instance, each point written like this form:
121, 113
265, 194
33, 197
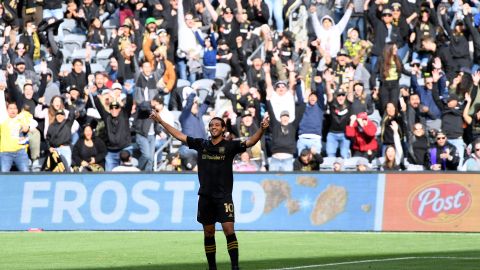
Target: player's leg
210, 245
206, 217
232, 243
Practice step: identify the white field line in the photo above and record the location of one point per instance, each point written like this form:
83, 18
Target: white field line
373, 261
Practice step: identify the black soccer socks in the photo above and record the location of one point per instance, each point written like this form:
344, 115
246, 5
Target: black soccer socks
210, 249
232, 246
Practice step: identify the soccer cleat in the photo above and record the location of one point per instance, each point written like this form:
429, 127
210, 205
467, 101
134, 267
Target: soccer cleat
235, 268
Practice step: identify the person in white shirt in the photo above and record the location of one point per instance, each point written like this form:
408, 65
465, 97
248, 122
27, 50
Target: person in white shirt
125, 163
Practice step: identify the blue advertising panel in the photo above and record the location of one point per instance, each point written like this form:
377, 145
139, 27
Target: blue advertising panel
169, 201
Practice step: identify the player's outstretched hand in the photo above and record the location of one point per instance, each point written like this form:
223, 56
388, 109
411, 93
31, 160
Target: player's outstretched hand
155, 116
265, 122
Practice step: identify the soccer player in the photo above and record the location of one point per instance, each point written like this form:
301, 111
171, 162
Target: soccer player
215, 173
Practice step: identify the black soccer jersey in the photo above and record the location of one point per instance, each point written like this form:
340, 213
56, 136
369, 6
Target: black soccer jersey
214, 162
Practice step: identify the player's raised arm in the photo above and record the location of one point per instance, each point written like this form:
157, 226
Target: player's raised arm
259, 133
171, 130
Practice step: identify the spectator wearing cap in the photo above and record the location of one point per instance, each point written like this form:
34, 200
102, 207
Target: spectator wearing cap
356, 48
452, 124
12, 130
403, 23
209, 45
281, 94
429, 98
442, 156
283, 140
473, 162
146, 131
46, 112
51, 88
25, 96
362, 132
311, 123
307, 161
328, 32
117, 129
22, 74
357, 20
59, 136
228, 23
340, 110
23, 54
126, 164
384, 31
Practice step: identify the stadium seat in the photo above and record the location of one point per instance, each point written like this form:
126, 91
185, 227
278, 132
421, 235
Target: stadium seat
96, 67
67, 26
73, 41
182, 83
203, 84
222, 71
80, 54
103, 57
327, 164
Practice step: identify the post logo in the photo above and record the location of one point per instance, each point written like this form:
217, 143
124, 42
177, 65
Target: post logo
440, 202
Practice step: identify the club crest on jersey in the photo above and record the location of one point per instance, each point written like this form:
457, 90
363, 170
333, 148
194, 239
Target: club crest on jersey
221, 150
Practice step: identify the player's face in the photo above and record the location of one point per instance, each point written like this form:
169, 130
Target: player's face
215, 128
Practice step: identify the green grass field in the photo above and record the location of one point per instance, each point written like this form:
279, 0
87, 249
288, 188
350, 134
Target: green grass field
258, 250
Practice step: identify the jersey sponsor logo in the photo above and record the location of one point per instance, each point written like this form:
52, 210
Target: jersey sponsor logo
440, 202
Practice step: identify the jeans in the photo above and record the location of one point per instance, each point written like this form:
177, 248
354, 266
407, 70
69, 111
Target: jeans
182, 70
209, 73
187, 153
57, 13
112, 159
34, 145
19, 158
303, 143
147, 150
336, 140
402, 52
66, 152
359, 23
280, 165
276, 9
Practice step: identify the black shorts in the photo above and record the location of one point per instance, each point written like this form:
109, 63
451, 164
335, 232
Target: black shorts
211, 210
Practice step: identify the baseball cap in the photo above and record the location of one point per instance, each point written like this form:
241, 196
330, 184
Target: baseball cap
362, 115
278, 83
150, 20
362, 161
114, 104
305, 152
452, 97
342, 52
386, 11
246, 113
285, 113
117, 86
60, 112
19, 61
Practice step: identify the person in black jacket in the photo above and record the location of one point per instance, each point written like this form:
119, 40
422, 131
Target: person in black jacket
146, 130
77, 76
117, 129
59, 135
89, 152
442, 156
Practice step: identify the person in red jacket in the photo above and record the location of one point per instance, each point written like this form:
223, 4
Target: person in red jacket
362, 132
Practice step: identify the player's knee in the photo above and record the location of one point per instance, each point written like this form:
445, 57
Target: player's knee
209, 231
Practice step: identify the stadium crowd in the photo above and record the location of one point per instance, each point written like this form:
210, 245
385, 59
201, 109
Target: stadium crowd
380, 84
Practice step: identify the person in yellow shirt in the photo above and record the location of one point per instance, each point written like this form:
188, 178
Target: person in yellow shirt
12, 147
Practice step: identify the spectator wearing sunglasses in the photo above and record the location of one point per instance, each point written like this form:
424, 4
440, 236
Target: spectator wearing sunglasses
442, 156
473, 163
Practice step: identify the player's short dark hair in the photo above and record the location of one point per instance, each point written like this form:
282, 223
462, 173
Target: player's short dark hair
124, 156
219, 119
76, 60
